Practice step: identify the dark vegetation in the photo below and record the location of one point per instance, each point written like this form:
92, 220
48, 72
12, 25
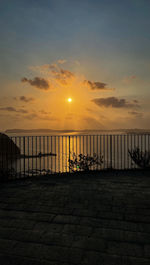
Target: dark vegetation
84, 162
6, 173
140, 158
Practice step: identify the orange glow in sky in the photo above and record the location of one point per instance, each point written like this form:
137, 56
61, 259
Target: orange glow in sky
85, 75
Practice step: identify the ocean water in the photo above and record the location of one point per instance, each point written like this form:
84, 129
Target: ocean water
112, 148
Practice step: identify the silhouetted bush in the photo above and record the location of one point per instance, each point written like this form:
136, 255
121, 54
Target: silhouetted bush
7, 173
140, 158
84, 162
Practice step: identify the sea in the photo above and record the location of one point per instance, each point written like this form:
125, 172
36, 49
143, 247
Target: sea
46, 152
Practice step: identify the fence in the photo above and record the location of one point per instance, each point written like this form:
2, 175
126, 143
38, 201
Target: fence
32, 155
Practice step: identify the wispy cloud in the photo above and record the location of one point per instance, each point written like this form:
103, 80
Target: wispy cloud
12, 109
63, 76
37, 82
24, 99
115, 102
57, 75
31, 116
44, 112
96, 85
61, 61
136, 114
36, 116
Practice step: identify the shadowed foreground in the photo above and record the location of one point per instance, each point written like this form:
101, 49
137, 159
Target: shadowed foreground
102, 218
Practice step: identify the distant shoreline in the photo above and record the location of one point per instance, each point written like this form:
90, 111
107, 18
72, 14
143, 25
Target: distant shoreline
73, 131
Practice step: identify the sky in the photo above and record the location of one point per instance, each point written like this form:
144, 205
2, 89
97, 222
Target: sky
96, 52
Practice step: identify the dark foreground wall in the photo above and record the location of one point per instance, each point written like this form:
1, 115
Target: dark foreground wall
101, 219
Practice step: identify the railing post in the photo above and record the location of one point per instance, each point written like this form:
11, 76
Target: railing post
69, 153
111, 151
24, 154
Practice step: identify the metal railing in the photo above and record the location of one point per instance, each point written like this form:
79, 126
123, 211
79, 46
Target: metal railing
33, 155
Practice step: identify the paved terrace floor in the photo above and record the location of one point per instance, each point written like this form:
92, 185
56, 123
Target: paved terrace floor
98, 218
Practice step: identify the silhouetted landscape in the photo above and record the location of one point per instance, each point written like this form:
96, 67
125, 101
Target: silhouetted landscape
18, 131
75, 132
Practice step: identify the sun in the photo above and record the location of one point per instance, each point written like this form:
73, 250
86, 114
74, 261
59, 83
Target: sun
69, 100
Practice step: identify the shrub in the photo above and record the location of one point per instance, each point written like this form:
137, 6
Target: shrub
6, 173
84, 162
140, 158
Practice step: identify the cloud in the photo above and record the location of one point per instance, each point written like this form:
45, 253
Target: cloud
135, 101
22, 111
57, 75
66, 73
26, 99
38, 82
62, 76
61, 61
115, 102
49, 118
52, 66
95, 85
12, 109
44, 112
42, 68
136, 114
33, 116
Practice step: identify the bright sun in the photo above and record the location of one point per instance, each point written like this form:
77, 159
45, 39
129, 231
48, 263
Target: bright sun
69, 99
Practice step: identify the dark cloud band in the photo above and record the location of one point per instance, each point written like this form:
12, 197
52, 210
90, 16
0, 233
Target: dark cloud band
38, 82
115, 102
95, 85
26, 99
12, 109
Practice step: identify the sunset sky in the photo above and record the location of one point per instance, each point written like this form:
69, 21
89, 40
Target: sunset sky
96, 52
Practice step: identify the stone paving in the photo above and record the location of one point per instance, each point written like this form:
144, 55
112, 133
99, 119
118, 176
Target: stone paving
101, 218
